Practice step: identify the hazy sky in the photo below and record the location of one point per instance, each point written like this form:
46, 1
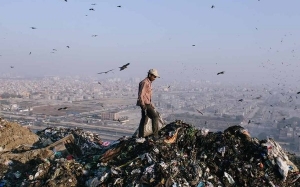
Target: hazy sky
252, 41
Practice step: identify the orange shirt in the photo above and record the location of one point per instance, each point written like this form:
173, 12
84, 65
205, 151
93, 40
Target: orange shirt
145, 92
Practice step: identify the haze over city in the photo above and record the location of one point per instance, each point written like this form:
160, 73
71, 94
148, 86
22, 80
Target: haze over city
161, 93
252, 41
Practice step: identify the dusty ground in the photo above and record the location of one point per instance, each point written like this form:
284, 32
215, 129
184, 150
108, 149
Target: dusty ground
13, 135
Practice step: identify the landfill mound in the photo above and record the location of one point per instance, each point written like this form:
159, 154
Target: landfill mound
182, 156
12, 135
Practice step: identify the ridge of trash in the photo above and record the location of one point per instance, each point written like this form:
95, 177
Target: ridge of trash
182, 156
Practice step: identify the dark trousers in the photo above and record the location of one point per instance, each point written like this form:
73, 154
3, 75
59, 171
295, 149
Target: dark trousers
153, 116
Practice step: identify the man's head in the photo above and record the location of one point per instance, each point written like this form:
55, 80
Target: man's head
153, 74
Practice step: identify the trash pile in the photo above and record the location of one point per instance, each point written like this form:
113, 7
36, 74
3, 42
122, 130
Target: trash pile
183, 156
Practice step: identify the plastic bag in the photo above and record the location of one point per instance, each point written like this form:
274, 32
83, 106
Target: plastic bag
282, 167
148, 127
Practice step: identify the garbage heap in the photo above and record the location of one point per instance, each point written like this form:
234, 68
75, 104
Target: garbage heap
182, 156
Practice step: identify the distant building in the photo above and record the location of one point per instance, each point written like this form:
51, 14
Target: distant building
286, 133
109, 115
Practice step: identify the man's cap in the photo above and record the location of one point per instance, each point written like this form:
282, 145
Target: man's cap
154, 72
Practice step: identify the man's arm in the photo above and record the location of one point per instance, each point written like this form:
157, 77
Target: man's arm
141, 95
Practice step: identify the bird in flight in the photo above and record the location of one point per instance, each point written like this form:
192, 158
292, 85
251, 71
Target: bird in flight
99, 82
54, 50
222, 72
298, 92
68, 46
66, 0
124, 66
63, 108
193, 45
92, 9
11, 66
249, 121
169, 86
94, 4
119, 6
30, 53
94, 35
199, 111
258, 97
213, 6
241, 100
106, 71
33, 27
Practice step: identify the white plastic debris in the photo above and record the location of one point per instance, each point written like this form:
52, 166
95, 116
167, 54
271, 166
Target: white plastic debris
283, 167
229, 178
140, 140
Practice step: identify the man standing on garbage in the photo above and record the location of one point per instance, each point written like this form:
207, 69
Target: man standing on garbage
144, 101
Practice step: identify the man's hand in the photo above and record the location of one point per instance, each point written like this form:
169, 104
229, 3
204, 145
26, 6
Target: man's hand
152, 106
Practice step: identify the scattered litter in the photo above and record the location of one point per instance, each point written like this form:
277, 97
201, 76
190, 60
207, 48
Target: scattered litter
182, 156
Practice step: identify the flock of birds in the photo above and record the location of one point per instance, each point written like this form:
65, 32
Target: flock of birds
126, 65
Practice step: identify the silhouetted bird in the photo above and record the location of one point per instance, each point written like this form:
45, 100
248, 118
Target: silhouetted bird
63, 108
213, 6
106, 71
169, 86
258, 97
92, 9
124, 66
68, 46
11, 66
119, 6
199, 111
222, 72
54, 50
94, 35
33, 27
30, 53
193, 45
66, 0
99, 82
249, 121
241, 100
298, 92
94, 4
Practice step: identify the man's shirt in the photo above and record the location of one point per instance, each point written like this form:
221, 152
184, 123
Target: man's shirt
145, 92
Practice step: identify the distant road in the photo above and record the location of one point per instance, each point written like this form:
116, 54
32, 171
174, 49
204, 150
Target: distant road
107, 133
251, 114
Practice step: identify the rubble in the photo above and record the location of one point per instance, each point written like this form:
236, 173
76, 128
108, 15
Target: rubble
182, 156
